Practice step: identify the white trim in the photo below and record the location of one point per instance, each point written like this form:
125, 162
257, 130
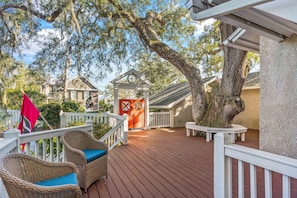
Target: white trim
138, 76
76, 89
237, 41
245, 24
251, 87
225, 8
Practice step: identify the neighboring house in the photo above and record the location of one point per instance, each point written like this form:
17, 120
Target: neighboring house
177, 100
79, 89
251, 96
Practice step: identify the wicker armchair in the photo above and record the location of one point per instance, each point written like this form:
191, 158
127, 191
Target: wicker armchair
20, 173
75, 144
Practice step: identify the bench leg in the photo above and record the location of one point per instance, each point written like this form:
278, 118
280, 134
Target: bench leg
188, 132
242, 136
194, 132
233, 138
208, 136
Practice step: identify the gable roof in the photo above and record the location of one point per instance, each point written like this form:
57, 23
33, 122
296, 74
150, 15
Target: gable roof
173, 94
252, 81
122, 81
82, 79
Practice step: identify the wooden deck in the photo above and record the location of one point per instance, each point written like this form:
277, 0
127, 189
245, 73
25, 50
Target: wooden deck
163, 163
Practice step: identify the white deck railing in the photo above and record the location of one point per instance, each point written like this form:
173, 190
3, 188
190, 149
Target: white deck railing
160, 119
47, 145
13, 139
118, 133
69, 117
271, 164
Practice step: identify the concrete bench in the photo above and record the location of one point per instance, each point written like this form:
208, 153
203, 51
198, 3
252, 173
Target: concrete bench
235, 131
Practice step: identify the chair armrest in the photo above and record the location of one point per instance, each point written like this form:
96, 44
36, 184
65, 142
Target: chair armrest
93, 143
74, 155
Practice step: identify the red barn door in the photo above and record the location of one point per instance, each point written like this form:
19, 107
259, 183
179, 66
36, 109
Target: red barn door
135, 111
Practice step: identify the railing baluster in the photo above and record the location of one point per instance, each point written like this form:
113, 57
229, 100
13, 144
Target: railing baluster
51, 146
36, 153
58, 150
286, 186
240, 179
159, 119
44, 149
28, 148
228, 174
268, 184
253, 181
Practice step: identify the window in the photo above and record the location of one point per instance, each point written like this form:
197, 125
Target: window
73, 95
86, 95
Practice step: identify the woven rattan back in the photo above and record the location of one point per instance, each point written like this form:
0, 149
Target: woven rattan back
76, 139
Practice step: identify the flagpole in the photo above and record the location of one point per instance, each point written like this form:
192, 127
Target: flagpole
41, 115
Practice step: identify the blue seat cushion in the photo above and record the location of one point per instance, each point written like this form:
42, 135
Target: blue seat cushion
62, 180
93, 154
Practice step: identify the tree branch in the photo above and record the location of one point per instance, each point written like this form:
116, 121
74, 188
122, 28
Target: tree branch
49, 18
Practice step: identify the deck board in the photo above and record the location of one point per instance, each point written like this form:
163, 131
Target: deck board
166, 163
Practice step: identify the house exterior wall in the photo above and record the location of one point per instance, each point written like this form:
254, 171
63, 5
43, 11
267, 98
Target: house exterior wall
278, 96
182, 112
77, 91
250, 116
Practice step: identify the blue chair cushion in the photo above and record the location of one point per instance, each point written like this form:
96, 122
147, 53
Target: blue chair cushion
93, 154
62, 180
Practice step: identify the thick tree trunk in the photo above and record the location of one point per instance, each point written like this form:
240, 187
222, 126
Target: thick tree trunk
225, 102
191, 73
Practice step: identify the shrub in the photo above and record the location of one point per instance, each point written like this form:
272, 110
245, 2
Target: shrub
51, 113
100, 129
76, 123
70, 106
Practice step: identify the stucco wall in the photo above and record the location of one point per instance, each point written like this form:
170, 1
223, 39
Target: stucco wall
278, 96
250, 116
182, 112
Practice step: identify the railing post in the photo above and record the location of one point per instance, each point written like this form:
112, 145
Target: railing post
13, 133
222, 167
62, 119
125, 134
91, 131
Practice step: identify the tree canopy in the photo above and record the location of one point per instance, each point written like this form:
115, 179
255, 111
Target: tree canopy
94, 33
95, 36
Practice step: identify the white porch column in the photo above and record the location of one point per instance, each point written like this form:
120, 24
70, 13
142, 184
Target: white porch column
146, 110
116, 101
171, 118
126, 130
278, 96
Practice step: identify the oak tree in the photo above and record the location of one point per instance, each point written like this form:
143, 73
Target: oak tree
112, 32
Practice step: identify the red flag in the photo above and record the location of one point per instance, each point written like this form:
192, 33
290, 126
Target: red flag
29, 115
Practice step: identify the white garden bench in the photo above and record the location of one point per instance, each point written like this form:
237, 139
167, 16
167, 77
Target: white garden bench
235, 131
